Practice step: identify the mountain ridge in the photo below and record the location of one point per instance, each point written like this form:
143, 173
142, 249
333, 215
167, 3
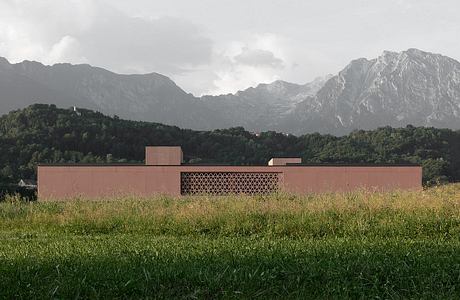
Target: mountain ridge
395, 89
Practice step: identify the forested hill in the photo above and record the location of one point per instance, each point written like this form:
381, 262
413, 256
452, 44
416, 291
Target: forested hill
45, 134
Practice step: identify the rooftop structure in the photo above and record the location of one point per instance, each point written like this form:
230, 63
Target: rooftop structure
163, 156
164, 173
28, 184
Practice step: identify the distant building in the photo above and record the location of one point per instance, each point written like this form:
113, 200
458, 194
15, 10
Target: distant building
28, 184
164, 173
75, 110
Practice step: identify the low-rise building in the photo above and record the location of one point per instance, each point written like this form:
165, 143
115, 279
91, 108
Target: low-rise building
165, 173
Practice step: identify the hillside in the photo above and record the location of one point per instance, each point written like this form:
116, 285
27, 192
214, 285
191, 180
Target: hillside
46, 134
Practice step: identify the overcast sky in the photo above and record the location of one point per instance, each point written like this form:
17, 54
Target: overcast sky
221, 46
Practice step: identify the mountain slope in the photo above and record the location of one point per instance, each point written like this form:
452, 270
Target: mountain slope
261, 108
149, 97
395, 89
18, 91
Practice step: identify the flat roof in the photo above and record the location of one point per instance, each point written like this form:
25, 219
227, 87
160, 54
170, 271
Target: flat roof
227, 165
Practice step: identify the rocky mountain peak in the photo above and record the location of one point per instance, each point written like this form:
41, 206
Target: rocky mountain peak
395, 89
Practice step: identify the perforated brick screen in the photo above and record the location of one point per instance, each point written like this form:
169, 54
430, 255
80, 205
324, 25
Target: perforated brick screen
221, 183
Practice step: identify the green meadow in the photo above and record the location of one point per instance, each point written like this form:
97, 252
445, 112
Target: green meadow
352, 245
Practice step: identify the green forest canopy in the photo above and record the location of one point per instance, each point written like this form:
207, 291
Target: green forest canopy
46, 134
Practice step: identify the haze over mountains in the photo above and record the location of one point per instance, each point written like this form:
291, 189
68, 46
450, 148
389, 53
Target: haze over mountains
395, 89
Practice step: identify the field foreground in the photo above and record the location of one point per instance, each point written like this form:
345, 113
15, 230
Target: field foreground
357, 245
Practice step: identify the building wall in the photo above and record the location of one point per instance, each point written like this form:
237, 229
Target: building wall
106, 181
163, 156
282, 161
61, 182
349, 178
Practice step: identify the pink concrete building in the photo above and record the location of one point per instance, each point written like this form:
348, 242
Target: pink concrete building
164, 173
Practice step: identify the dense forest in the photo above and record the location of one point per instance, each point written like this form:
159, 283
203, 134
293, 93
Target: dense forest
46, 134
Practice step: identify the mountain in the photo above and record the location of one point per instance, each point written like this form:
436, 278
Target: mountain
262, 107
149, 97
395, 89
17, 90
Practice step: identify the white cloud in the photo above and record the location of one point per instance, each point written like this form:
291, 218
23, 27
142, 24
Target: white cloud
258, 58
241, 77
68, 49
242, 64
30, 29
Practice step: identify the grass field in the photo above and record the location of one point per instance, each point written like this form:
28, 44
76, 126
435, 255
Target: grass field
357, 245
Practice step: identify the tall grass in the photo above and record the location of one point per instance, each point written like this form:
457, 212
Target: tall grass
140, 266
432, 212
353, 245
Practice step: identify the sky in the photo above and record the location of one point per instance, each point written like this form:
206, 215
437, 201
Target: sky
222, 46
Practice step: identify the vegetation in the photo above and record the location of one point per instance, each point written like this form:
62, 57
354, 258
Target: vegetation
46, 134
354, 245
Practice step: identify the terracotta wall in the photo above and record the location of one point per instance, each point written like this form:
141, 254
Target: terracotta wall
163, 156
60, 182
282, 161
105, 181
349, 178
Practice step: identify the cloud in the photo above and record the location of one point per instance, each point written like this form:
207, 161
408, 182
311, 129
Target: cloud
205, 49
30, 29
165, 44
259, 58
240, 77
67, 49
74, 31
94, 32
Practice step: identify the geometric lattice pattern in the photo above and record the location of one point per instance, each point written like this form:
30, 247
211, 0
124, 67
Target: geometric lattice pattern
222, 183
